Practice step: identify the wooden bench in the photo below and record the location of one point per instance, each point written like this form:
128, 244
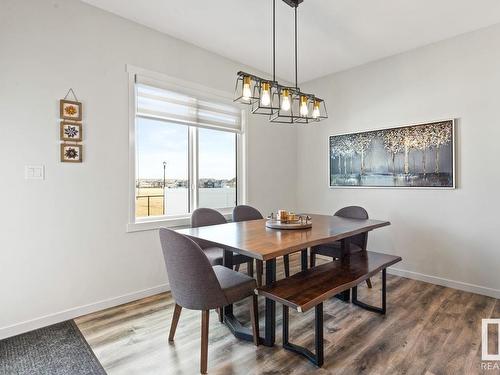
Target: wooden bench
310, 288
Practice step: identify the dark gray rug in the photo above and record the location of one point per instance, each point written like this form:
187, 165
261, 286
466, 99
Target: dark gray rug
59, 349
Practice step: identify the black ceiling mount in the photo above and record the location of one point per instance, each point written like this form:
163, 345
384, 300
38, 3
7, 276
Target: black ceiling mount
293, 3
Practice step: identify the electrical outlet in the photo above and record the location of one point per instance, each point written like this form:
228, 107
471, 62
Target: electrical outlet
34, 172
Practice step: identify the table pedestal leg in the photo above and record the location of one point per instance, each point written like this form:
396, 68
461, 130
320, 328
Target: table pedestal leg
227, 261
270, 305
236, 328
303, 260
345, 247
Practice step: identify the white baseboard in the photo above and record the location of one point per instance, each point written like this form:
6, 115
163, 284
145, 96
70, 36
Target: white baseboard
75, 312
478, 289
490, 292
101, 305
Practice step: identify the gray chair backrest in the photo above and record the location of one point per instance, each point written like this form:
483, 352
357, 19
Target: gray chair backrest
355, 212
245, 213
202, 217
192, 279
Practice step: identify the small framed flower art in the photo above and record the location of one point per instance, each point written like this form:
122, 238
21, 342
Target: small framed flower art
70, 110
71, 153
71, 131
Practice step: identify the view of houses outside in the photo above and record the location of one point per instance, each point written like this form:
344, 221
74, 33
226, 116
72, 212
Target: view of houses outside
163, 165
212, 193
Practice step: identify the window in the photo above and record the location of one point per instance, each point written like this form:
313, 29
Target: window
187, 151
162, 168
216, 168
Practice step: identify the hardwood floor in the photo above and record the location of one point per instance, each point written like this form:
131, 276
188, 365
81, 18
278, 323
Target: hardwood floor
428, 330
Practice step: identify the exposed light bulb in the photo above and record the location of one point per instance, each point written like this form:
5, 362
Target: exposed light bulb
316, 112
304, 111
247, 92
285, 100
265, 95
266, 98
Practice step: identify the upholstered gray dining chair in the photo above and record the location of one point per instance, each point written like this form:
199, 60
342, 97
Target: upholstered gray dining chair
246, 213
202, 217
197, 285
358, 242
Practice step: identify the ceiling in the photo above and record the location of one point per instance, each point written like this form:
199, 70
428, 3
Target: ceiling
334, 35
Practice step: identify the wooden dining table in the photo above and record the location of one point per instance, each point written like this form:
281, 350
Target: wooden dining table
255, 240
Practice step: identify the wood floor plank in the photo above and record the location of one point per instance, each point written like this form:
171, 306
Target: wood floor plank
462, 344
434, 330
385, 338
428, 330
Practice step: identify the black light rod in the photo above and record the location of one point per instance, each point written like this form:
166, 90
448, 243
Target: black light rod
296, 59
274, 40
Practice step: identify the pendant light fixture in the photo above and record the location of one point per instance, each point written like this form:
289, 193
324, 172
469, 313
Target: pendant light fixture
283, 104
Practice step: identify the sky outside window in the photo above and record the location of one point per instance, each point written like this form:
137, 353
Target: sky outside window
217, 154
157, 142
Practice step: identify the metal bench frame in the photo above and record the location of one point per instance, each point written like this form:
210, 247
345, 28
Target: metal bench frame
317, 358
380, 310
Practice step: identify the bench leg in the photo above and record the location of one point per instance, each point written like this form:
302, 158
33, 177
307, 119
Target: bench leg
318, 334
379, 310
344, 296
318, 358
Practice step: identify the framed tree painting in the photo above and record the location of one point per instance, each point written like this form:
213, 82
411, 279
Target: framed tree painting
420, 156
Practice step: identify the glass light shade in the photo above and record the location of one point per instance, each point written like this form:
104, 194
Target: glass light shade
316, 111
265, 94
244, 90
267, 102
283, 104
285, 100
304, 111
306, 108
319, 111
247, 91
289, 105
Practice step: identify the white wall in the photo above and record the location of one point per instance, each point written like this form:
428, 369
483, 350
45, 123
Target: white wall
447, 237
63, 243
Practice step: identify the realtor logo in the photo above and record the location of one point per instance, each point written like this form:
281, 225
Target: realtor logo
484, 340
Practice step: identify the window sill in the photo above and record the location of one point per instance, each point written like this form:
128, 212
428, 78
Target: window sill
162, 222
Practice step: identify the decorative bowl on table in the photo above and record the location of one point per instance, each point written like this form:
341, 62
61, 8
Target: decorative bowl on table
288, 220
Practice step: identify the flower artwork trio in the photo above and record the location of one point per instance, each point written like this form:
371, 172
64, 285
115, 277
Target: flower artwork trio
71, 130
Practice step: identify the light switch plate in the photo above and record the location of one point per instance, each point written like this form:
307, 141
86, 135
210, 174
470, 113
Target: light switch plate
34, 172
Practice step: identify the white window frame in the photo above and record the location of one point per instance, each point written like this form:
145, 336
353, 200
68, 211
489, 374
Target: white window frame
179, 85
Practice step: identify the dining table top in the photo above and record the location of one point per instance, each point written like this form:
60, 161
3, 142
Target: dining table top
252, 238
